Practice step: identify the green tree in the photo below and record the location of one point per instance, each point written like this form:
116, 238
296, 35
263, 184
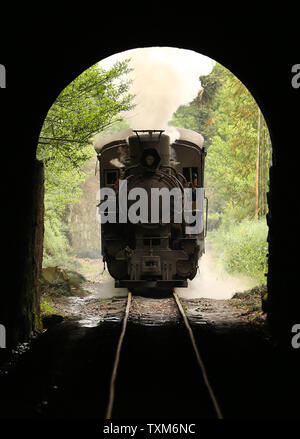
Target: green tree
263, 162
199, 114
226, 114
231, 159
88, 105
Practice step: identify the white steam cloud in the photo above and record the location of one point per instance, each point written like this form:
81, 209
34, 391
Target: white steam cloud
214, 282
163, 79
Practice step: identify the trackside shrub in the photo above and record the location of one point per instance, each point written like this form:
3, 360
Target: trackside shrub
242, 247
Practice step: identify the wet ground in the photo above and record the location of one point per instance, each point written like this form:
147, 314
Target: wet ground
64, 373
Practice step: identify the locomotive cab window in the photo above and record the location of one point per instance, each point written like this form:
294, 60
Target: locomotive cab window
192, 175
111, 176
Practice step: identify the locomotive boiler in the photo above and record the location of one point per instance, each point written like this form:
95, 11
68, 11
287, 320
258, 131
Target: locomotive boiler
150, 240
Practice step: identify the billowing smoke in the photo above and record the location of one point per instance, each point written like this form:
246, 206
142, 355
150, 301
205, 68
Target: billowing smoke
163, 79
214, 282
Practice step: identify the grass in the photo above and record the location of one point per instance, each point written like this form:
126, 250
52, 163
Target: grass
251, 305
242, 248
46, 309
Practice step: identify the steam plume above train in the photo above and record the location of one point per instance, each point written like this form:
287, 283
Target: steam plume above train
163, 79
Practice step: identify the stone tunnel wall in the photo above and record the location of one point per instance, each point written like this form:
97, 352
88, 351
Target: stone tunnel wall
283, 279
29, 312
20, 303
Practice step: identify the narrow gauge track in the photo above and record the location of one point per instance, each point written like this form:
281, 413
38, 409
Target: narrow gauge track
206, 393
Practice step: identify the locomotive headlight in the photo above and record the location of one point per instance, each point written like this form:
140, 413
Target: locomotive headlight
149, 160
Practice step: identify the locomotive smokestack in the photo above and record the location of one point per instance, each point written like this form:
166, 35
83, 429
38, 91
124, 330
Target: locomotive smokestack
140, 143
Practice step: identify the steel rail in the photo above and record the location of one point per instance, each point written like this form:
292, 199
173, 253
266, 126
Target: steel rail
199, 359
116, 362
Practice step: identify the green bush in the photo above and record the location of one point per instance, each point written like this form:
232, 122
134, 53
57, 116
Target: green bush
213, 220
55, 241
56, 247
242, 247
46, 309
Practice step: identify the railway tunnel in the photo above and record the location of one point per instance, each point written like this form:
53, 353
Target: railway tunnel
19, 309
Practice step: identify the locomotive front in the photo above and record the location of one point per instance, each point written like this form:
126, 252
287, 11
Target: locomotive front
151, 208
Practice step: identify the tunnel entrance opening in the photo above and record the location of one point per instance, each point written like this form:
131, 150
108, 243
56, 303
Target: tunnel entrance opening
236, 174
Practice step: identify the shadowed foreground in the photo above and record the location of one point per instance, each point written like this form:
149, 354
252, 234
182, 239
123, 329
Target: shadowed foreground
66, 372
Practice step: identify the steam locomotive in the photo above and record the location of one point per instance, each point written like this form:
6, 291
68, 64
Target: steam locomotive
144, 251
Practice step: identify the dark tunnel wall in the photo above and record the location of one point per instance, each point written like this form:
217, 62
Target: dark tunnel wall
41, 62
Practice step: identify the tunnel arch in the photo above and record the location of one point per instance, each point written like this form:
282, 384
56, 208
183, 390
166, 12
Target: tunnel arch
246, 71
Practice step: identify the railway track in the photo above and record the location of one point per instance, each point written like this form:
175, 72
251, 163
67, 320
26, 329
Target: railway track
202, 373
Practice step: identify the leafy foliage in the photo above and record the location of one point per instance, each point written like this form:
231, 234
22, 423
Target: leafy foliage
230, 164
242, 247
46, 309
88, 105
226, 114
85, 107
199, 114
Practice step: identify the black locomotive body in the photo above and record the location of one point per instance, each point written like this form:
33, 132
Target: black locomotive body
147, 256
